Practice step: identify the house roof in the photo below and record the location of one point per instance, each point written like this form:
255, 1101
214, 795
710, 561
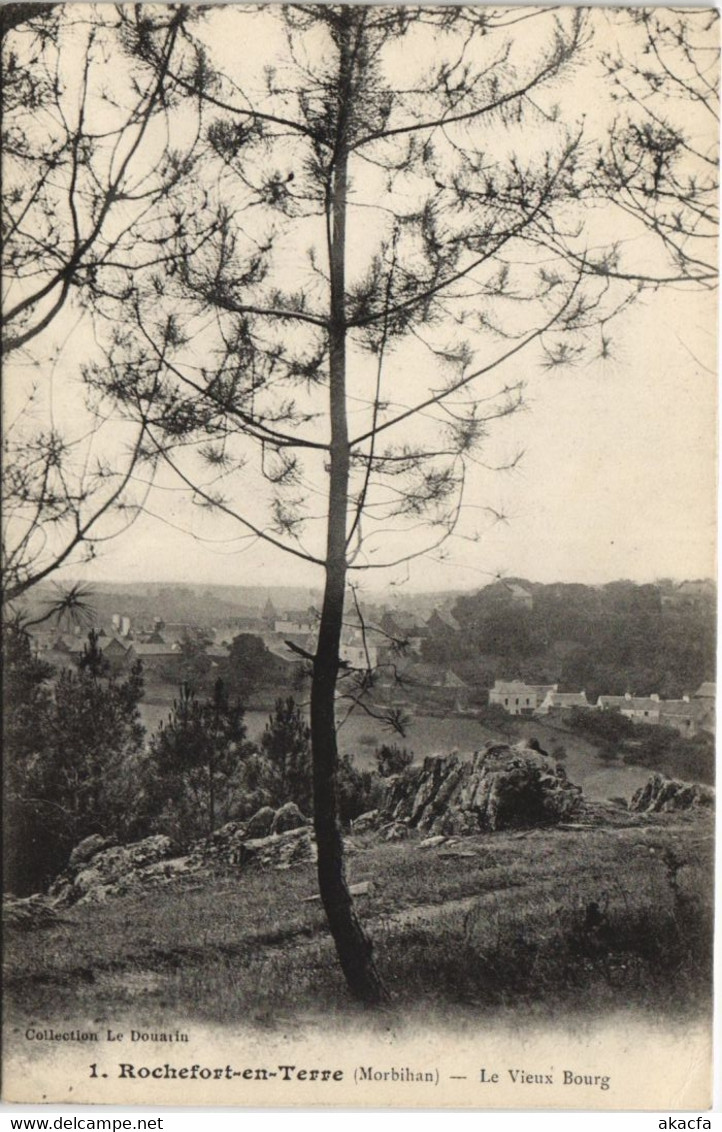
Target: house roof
77, 644
279, 648
451, 680
644, 703
114, 643
445, 618
518, 687
282, 652
678, 708
707, 690
516, 590
696, 586
566, 699
142, 650
631, 703
398, 623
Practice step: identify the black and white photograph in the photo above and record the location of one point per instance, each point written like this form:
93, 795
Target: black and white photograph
359, 554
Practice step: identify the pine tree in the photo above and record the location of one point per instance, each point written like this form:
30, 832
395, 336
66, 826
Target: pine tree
395, 210
200, 754
286, 743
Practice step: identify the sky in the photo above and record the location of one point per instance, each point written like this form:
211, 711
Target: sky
617, 479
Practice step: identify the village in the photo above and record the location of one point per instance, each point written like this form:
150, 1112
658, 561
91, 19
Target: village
689, 716
419, 658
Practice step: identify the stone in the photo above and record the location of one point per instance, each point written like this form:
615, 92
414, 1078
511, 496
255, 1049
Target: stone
280, 850
87, 848
395, 831
365, 822
288, 817
501, 787
29, 913
260, 824
363, 888
661, 795
115, 871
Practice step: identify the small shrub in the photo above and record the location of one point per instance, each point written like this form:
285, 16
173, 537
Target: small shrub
358, 790
609, 752
392, 759
366, 739
494, 715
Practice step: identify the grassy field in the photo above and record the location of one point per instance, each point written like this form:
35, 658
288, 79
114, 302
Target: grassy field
433, 735
508, 930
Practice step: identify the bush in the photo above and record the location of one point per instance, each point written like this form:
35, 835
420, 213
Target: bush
74, 760
494, 715
392, 759
608, 752
358, 790
608, 726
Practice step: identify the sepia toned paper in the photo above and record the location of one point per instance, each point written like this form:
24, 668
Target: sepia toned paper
610, 392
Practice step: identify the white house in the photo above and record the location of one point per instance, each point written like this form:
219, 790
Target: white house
562, 701
359, 653
681, 714
640, 709
517, 697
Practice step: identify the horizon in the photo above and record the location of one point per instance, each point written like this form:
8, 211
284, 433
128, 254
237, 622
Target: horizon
185, 583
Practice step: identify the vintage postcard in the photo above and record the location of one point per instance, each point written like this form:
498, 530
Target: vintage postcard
359, 537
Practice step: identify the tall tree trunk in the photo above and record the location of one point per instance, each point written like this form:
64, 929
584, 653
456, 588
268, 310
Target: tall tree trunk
211, 797
352, 944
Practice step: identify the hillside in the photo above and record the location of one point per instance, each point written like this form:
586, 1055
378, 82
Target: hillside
494, 924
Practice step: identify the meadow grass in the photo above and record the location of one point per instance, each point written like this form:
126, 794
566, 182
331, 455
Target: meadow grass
548, 920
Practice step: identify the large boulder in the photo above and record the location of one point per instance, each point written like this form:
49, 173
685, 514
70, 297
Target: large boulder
288, 817
364, 822
662, 795
87, 848
29, 913
117, 871
221, 847
280, 850
501, 787
260, 824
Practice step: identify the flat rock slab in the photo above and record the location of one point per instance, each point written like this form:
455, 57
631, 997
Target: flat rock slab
363, 888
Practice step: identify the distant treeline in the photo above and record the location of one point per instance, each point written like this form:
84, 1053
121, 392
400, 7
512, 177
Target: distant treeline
606, 640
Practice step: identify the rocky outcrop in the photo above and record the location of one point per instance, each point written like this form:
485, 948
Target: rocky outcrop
260, 824
501, 787
280, 850
225, 846
661, 795
220, 847
287, 818
116, 871
87, 848
98, 869
367, 821
29, 913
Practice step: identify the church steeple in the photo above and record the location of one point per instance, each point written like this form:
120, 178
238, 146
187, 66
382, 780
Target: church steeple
269, 612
